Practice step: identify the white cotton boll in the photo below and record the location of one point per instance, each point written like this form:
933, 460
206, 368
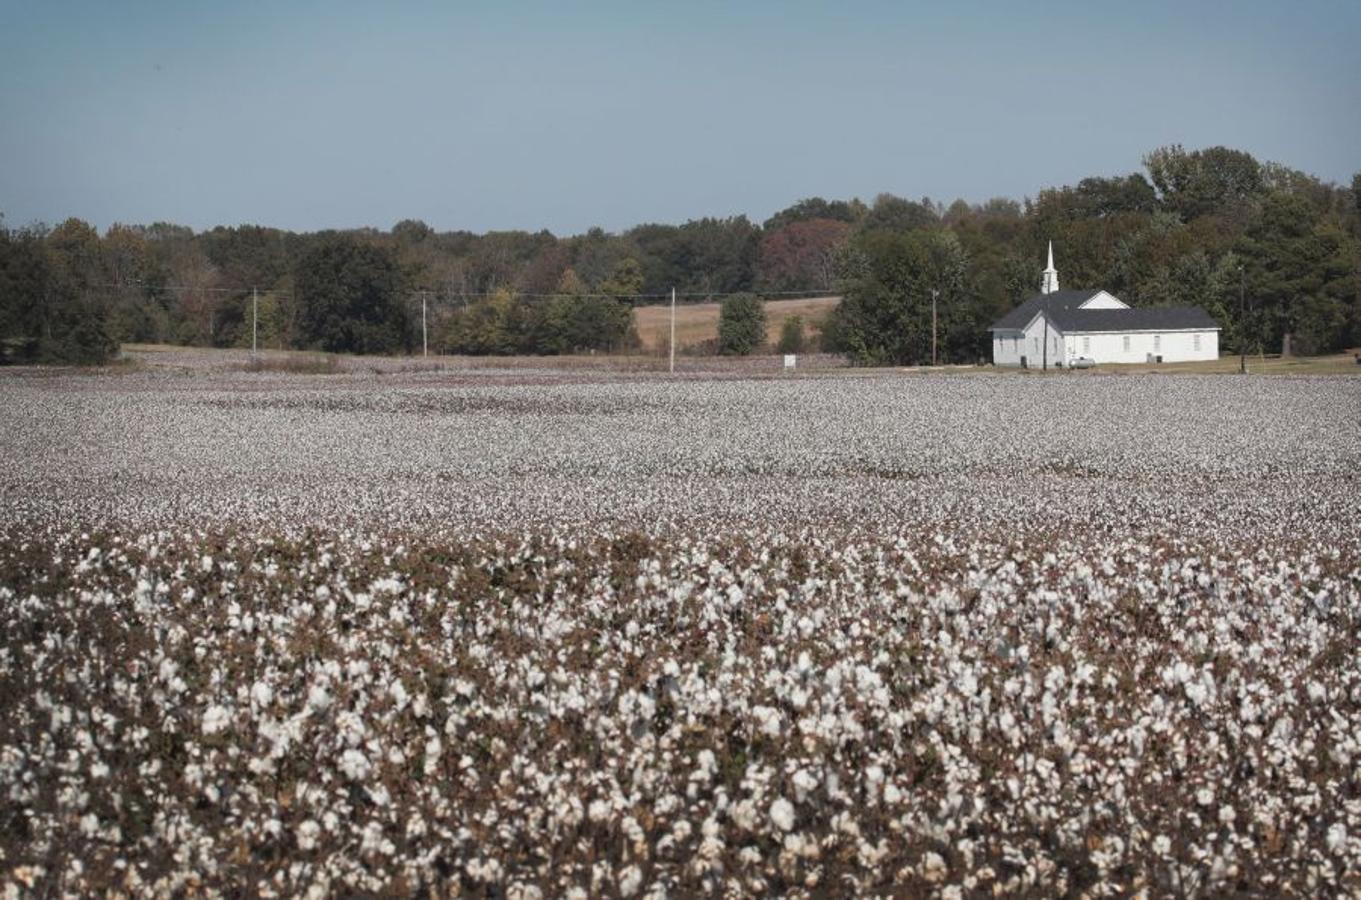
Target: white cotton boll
216, 719
318, 698
1337, 838
782, 814
354, 764
261, 694
433, 749
1205, 796
629, 881
804, 784
934, 869
767, 720
743, 815
1227, 815
1162, 845
389, 585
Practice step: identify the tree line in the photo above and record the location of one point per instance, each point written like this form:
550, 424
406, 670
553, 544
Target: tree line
1194, 227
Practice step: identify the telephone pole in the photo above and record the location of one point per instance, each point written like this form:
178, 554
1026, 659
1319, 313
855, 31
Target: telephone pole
1045, 357
934, 294
254, 319
673, 331
425, 344
1242, 327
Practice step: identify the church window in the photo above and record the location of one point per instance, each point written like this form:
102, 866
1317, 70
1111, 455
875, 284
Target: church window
1086, 345
1157, 343
1126, 343
1195, 341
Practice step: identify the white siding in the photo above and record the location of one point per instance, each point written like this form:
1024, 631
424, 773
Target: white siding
1006, 349
1175, 346
1104, 347
1009, 347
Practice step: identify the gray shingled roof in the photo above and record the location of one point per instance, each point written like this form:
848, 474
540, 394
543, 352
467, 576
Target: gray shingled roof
1021, 315
1158, 318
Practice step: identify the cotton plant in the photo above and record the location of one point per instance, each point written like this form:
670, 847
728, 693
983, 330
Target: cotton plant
553, 636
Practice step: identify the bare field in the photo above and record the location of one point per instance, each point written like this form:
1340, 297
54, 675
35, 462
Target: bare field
528, 631
697, 322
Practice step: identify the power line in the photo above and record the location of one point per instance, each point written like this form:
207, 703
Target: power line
186, 288
662, 297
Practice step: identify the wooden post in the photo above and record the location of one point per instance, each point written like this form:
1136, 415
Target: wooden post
934, 293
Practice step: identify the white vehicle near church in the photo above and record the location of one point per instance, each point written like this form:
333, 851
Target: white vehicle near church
1057, 328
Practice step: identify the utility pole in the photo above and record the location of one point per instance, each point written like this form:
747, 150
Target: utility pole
1242, 327
425, 344
254, 319
1045, 357
934, 294
673, 331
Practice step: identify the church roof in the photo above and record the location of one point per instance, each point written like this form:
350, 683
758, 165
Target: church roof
1157, 318
1021, 315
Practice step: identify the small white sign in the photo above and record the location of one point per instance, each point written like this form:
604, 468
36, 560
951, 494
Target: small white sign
789, 360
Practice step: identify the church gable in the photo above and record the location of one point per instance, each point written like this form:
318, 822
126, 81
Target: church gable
1103, 300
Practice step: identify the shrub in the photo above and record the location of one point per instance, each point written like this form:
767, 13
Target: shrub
741, 324
792, 337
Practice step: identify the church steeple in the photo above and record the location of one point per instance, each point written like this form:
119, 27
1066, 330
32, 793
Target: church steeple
1051, 274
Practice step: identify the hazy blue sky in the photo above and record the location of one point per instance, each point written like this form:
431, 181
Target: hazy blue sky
503, 115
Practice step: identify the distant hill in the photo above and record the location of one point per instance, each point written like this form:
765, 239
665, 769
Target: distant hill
697, 322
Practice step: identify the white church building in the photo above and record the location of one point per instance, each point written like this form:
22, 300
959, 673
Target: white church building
1056, 327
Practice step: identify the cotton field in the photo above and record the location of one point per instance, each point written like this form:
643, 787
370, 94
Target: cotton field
541, 633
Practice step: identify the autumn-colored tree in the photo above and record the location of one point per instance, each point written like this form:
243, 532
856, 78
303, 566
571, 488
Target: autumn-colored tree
801, 256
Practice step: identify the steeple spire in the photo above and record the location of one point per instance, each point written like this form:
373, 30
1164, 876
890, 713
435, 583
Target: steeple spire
1051, 274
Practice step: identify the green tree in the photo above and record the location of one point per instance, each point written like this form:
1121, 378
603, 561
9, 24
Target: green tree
1299, 276
625, 280
848, 211
892, 213
575, 321
884, 317
792, 336
24, 277
351, 298
74, 316
1203, 181
741, 324
492, 326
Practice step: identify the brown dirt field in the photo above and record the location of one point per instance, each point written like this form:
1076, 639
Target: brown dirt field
697, 322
